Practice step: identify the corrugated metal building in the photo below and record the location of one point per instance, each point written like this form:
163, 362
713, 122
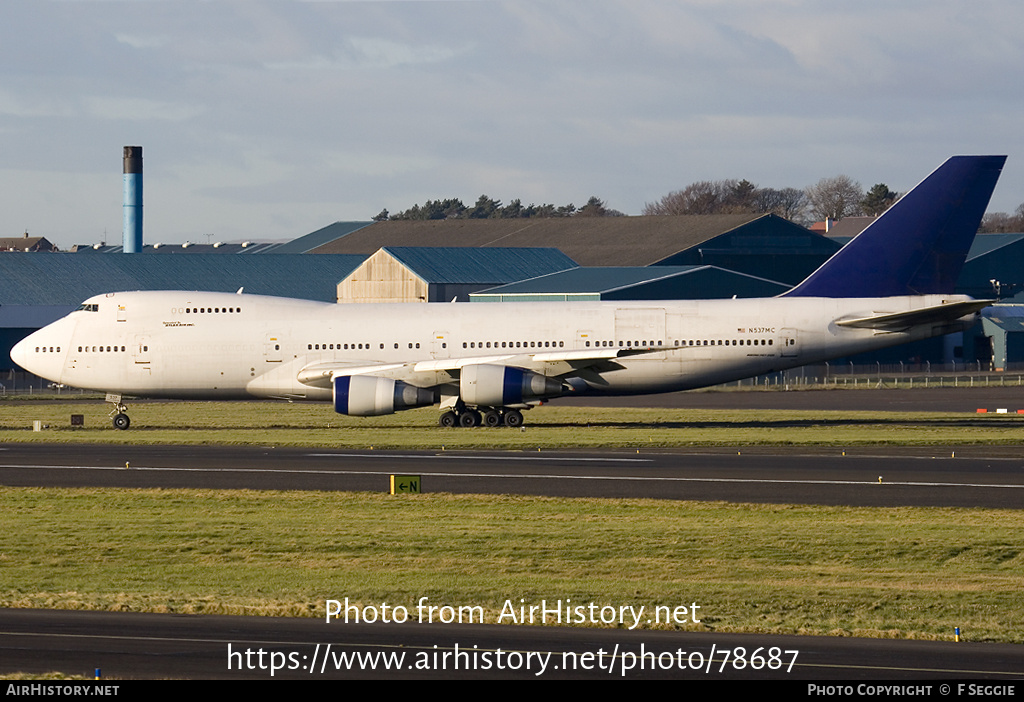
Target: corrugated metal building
994, 268
186, 248
768, 247
646, 283
999, 340
304, 244
441, 274
764, 245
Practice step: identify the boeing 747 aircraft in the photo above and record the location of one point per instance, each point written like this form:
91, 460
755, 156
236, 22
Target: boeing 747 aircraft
485, 363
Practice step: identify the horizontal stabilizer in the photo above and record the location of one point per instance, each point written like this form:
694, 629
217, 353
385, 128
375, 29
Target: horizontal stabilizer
897, 321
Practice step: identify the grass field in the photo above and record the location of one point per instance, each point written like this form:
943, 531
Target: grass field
550, 426
909, 573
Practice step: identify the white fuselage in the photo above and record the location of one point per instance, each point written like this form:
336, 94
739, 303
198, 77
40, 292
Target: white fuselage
219, 345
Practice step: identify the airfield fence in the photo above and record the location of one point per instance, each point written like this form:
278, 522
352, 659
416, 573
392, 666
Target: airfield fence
887, 375
22, 383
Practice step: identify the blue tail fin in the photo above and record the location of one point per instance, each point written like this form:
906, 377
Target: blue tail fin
919, 245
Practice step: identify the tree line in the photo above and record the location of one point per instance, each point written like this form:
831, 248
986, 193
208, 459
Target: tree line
830, 198
489, 208
1003, 222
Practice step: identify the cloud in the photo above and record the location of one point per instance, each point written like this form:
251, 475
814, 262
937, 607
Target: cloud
142, 41
373, 53
28, 105
342, 108
139, 109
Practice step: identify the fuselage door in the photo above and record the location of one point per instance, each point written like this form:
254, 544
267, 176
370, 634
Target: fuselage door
439, 345
788, 342
272, 348
140, 350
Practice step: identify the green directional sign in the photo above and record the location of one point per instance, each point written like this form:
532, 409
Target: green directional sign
405, 484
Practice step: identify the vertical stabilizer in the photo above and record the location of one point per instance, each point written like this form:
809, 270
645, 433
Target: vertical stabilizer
919, 245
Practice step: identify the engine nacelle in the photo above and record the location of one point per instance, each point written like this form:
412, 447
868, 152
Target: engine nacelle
369, 395
485, 385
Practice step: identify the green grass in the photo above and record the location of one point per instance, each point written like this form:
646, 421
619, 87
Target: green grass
550, 426
902, 572
913, 573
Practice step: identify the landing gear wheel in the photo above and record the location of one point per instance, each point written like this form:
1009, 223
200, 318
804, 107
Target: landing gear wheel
513, 418
469, 419
448, 419
121, 421
492, 418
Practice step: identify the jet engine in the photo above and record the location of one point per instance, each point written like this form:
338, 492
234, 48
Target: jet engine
369, 395
484, 385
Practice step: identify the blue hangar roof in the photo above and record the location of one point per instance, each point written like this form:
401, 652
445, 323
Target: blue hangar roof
469, 265
67, 279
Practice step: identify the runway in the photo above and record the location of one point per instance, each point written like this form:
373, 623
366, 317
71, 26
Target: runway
939, 476
148, 646
160, 646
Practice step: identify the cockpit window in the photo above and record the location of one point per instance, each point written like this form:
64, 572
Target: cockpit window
87, 307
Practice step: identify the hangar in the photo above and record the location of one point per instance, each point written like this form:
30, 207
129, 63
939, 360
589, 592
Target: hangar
761, 245
622, 283
444, 274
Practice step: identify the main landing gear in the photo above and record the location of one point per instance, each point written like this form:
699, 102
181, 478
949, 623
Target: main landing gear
491, 417
119, 413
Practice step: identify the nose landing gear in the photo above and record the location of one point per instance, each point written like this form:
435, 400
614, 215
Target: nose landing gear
119, 413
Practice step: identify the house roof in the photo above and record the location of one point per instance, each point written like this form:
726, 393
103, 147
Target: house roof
25, 243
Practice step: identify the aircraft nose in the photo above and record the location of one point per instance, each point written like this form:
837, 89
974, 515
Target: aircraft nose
20, 352
39, 354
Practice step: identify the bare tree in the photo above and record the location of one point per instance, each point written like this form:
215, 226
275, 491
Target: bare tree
788, 203
1002, 223
701, 198
835, 198
730, 197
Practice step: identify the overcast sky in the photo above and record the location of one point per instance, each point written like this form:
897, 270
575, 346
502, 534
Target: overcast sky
268, 120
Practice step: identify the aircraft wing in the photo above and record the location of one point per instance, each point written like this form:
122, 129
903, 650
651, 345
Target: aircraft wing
553, 363
899, 321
